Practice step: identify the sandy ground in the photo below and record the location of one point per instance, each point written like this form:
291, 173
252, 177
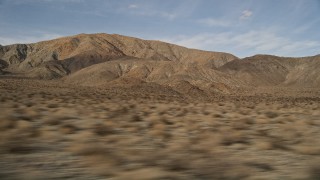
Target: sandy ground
54, 131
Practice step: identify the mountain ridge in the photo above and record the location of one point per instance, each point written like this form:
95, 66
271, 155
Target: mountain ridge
107, 59
83, 50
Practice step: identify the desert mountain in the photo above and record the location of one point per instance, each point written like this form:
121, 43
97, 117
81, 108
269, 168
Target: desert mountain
115, 60
267, 70
56, 58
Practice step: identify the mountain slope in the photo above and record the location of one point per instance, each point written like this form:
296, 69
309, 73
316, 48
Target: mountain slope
114, 60
266, 70
76, 52
184, 78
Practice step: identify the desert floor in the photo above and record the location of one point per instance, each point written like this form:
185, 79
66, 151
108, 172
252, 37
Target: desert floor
54, 131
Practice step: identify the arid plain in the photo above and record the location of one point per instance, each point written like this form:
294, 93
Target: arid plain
63, 132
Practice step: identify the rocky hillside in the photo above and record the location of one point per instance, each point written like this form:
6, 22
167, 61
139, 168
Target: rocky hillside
115, 60
59, 57
267, 70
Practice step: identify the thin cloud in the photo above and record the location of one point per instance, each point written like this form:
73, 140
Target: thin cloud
214, 22
252, 42
306, 26
18, 2
27, 39
155, 13
133, 6
246, 14
150, 8
169, 15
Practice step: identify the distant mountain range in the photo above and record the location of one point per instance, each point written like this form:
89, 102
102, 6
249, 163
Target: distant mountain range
111, 59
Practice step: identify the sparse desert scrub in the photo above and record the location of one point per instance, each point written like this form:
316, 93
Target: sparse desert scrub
105, 135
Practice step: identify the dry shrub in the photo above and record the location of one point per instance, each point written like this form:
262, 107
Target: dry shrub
218, 115
307, 149
243, 123
119, 112
159, 131
158, 127
29, 173
167, 121
146, 173
18, 144
153, 119
263, 145
314, 172
68, 129
181, 113
27, 129
205, 112
136, 118
101, 167
6, 124
245, 111
29, 103
52, 122
271, 114
97, 157
283, 120
49, 135
232, 137
261, 120
53, 105
22, 125
217, 168
7, 175
303, 124
88, 149
279, 144
22, 115
103, 130
261, 166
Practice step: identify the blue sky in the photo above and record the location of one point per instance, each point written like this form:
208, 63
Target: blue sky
240, 27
